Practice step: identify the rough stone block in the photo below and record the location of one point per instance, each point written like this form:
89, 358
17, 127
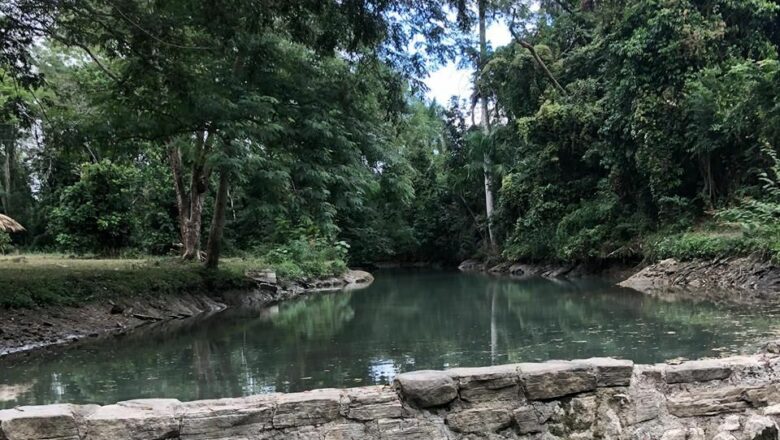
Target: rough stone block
481, 419
761, 428
54, 422
697, 371
427, 388
308, 408
348, 431
527, 420
487, 383
707, 403
684, 434
372, 403
410, 429
133, 420
224, 418
551, 380
612, 372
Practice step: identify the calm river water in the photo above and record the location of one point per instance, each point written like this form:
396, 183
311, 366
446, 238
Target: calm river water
407, 320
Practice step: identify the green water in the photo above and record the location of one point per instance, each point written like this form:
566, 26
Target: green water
405, 321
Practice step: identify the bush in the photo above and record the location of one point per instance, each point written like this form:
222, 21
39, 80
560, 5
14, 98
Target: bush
308, 258
96, 213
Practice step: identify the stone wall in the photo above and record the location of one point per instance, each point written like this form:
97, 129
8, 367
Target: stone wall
726, 399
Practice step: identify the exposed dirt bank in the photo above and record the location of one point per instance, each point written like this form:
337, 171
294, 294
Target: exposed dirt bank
22, 330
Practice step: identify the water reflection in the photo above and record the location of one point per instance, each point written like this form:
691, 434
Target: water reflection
405, 321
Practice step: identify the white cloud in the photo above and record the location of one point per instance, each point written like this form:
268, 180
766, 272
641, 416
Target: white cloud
450, 81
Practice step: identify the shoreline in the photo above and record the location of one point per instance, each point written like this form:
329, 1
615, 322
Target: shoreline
24, 331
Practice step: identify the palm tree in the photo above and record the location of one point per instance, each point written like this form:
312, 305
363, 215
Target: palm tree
7, 224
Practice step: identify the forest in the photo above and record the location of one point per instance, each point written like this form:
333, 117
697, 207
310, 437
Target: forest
299, 133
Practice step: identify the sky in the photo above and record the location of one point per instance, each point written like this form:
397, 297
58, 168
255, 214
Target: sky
449, 80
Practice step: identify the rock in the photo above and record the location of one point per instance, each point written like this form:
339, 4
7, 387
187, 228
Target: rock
472, 266
372, 403
556, 379
646, 405
487, 383
581, 413
697, 371
684, 434
264, 276
707, 403
612, 372
51, 422
773, 410
307, 408
724, 436
337, 431
357, 278
772, 347
761, 428
730, 423
117, 309
225, 418
527, 420
481, 419
410, 429
133, 420
427, 388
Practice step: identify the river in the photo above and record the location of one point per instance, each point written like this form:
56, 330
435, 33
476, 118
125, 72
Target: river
406, 320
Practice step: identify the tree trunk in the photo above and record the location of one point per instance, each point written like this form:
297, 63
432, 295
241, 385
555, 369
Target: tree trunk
192, 216
182, 198
486, 164
218, 222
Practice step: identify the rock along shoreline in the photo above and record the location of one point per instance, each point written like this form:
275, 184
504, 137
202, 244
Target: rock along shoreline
26, 330
736, 398
715, 279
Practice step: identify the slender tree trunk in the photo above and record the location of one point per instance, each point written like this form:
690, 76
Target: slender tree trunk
486, 164
182, 198
9, 152
218, 223
193, 220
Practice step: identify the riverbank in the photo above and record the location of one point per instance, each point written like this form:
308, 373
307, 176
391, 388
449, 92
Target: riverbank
736, 398
741, 277
52, 301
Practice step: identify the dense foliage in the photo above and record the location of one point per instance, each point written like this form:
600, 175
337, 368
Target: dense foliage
295, 131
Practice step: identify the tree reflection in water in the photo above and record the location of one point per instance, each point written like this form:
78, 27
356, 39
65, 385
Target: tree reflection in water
404, 321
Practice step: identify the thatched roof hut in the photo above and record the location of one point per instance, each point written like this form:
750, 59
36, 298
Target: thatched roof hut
8, 224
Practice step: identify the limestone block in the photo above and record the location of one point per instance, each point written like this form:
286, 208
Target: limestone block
707, 403
148, 419
724, 436
645, 405
761, 428
372, 403
224, 418
527, 420
684, 434
481, 419
427, 388
551, 380
730, 423
488, 383
348, 431
612, 372
697, 371
308, 408
51, 422
410, 429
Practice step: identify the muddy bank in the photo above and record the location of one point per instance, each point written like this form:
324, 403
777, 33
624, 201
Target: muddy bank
22, 330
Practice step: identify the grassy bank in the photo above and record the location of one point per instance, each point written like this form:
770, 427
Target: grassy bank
47, 280
51, 280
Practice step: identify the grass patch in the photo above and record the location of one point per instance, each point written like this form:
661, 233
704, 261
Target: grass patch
710, 243
33, 281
